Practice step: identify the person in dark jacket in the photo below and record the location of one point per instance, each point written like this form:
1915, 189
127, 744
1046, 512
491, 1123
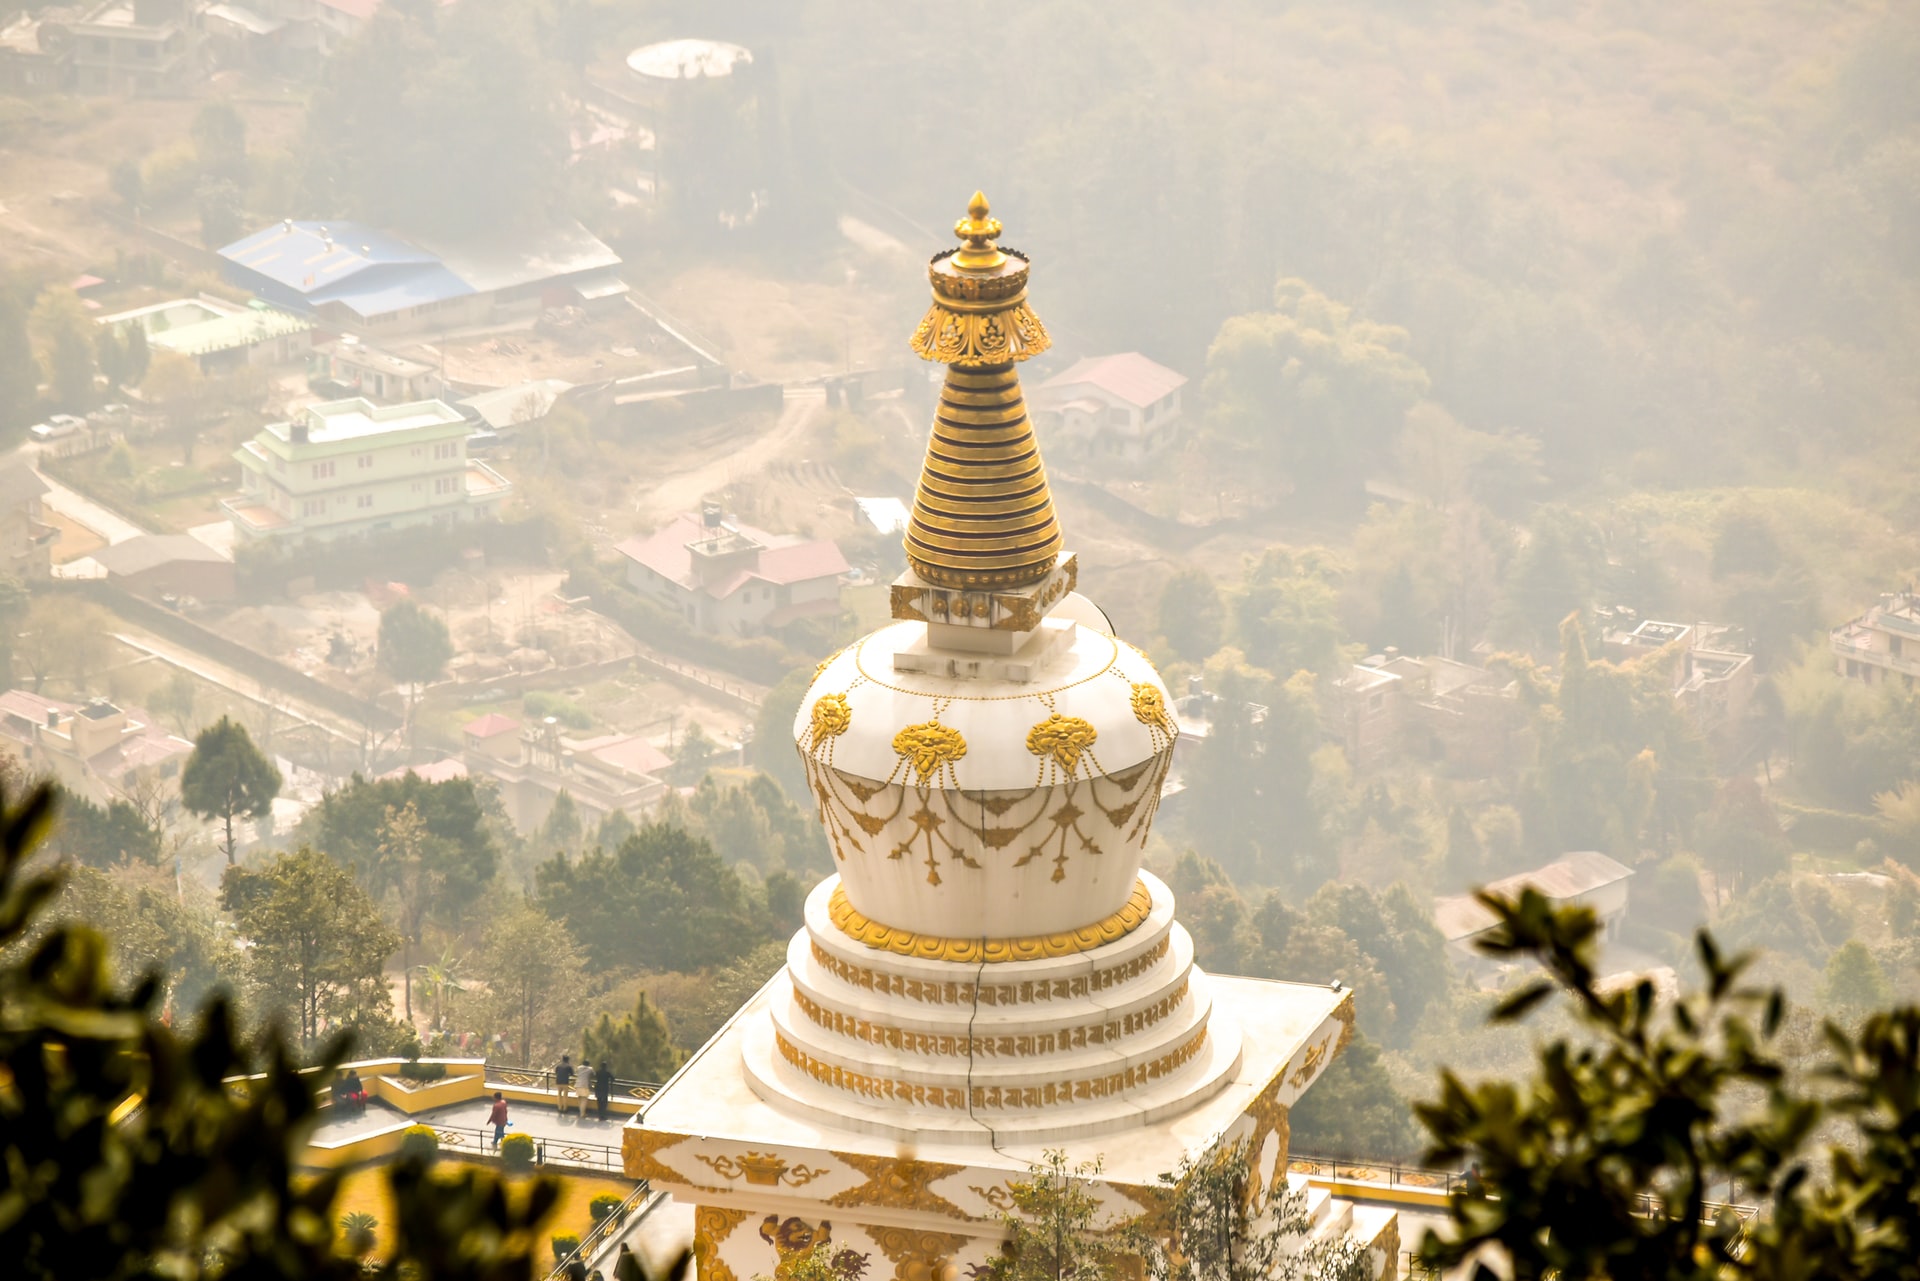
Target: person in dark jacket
602, 1087
627, 1266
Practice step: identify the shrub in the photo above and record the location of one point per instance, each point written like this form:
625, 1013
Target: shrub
414, 1070
603, 1205
357, 1230
540, 703
420, 1142
516, 1151
563, 1245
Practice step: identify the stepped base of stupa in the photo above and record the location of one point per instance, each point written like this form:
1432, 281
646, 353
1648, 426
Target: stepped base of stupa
918, 1194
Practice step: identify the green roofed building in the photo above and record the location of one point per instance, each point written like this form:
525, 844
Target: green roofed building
351, 467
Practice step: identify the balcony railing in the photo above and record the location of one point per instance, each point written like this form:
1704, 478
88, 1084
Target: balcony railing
1875, 657
534, 1078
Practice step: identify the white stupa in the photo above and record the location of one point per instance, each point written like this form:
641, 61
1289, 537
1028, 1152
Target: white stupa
991, 974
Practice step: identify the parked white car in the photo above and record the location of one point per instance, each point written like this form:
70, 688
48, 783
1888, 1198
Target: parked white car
57, 426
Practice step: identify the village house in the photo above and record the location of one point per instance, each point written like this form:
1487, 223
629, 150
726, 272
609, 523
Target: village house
96, 750
533, 764
162, 565
732, 579
348, 367
131, 47
352, 467
1883, 642
1122, 407
1712, 676
1433, 707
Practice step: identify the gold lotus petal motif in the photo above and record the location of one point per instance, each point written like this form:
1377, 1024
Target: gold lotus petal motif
928, 747
831, 716
1150, 707
1064, 738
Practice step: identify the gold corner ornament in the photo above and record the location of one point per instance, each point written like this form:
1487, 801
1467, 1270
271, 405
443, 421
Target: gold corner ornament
863, 929
1062, 740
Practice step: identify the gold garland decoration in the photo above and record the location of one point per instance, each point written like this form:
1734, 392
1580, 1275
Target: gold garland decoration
861, 928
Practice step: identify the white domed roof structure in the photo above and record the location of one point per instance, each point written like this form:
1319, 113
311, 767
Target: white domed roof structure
688, 59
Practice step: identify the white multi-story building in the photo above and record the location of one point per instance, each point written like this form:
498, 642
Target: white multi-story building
1883, 642
352, 467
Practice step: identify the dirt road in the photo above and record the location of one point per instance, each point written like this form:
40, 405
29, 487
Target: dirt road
670, 495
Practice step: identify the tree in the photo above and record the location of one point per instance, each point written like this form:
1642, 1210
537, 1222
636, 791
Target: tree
663, 901
176, 699
1192, 617
63, 638
220, 142
426, 850
199, 1181
1218, 1227
638, 1047
695, 756
19, 374
127, 183
227, 777
1855, 984
223, 215
318, 948
123, 357
101, 836
529, 962
1309, 390
1656, 1105
1050, 1230
66, 339
1465, 859
772, 749
1354, 1112
562, 831
1287, 617
414, 647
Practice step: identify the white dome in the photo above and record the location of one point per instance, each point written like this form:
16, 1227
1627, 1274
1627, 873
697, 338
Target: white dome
989, 808
688, 59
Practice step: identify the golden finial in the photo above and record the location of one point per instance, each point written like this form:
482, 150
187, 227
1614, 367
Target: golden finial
979, 231
982, 515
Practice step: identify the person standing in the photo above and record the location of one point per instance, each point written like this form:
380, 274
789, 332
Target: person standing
602, 1087
583, 1087
627, 1267
498, 1118
563, 1081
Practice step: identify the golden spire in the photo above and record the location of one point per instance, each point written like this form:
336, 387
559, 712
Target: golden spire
982, 516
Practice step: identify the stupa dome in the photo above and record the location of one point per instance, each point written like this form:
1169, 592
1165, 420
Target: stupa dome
985, 808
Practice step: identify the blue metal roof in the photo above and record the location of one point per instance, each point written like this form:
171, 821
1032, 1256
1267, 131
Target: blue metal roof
368, 270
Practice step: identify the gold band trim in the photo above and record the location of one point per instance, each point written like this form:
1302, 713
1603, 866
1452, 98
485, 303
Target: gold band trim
861, 928
1022, 992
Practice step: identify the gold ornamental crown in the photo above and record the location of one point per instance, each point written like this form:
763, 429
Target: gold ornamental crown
982, 515
979, 315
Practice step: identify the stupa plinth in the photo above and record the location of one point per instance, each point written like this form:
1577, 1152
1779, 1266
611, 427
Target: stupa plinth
991, 973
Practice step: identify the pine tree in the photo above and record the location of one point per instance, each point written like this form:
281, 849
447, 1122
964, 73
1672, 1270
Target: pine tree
639, 1047
227, 777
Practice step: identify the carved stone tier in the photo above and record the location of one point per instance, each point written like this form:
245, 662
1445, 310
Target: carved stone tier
1062, 1046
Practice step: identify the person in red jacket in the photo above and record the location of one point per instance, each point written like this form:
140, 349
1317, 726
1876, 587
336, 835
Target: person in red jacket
498, 1118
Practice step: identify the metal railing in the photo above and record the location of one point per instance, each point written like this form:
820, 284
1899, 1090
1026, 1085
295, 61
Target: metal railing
1392, 1174
468, 1140
602, 1231
542, 1079
1383, 1173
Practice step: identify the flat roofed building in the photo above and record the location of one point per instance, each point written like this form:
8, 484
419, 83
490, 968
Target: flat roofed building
1586, 878
1884, 642
219, 335
361, 278
361, 369
352, 467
